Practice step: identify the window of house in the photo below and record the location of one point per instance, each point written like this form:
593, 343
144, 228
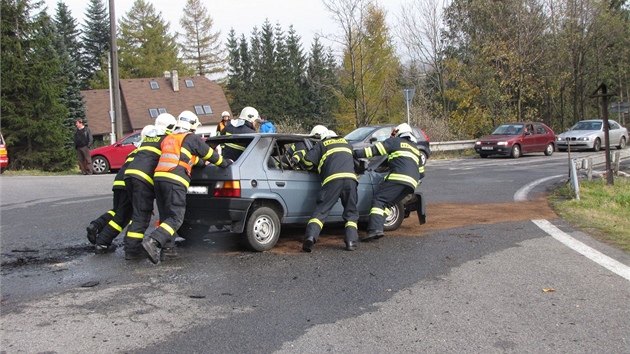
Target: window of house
199, 110
189, 83
154, 85
207, 109
162, 110
153, 112
203, 109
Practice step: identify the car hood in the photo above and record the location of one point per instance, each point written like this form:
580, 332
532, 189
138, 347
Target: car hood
497, 138
578, 133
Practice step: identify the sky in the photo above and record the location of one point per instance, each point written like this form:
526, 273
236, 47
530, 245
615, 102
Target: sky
308, 17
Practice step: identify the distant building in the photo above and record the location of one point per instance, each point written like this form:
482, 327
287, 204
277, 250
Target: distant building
142, 100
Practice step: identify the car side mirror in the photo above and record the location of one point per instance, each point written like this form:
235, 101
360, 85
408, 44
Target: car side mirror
373, 139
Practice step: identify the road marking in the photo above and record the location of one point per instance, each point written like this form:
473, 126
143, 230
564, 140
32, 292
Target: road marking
521, 194
590, 253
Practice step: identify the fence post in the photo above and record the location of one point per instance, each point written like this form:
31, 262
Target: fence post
574, 180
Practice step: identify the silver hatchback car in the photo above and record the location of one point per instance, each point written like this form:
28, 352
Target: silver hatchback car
259, 193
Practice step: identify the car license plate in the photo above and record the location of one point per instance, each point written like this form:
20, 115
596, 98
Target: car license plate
486, 148
197, 190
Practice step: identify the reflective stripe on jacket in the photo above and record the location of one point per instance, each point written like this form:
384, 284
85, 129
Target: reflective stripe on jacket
333, 158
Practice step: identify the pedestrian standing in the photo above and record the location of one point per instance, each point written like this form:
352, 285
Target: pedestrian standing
83, 144
265, 125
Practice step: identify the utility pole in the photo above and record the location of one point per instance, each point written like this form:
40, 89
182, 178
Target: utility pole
408, 93
115, 79
605, 95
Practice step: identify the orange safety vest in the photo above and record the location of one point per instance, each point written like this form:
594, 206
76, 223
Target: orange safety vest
171, 154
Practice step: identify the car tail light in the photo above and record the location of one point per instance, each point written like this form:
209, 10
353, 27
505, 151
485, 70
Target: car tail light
425, 135
227, 189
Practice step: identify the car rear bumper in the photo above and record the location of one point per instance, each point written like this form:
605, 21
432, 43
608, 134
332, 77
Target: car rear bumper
214, 210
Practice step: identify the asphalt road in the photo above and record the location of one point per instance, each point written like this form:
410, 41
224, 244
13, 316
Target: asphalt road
496, 285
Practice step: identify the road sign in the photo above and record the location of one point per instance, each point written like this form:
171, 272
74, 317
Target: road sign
619, 107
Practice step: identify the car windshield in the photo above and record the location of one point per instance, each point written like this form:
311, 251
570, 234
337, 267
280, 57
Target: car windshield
587, 126
359, 134
508, 129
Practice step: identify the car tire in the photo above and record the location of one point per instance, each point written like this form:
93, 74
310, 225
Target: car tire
423, 158
100, 165
395, 218
622, 143
597, 145
188, 230
549, 149
262, 230
516, 151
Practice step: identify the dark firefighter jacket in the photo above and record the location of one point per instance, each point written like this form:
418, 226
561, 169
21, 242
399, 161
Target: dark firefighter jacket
146, 159
232, 151
332, 158
403, 159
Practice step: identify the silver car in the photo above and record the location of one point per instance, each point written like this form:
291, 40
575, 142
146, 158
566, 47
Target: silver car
260, 192
589, 134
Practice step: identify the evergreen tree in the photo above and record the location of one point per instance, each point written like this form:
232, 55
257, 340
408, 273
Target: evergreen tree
201, 48
147, 49
32, 116
96, 40
68, 49
322, 83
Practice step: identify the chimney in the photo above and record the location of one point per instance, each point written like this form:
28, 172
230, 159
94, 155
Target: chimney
167, 75
175, 80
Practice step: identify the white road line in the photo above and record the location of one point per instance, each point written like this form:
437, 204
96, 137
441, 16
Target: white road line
590, 253
521, 194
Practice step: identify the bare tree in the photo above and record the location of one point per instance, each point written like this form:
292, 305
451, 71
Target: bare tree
201, 48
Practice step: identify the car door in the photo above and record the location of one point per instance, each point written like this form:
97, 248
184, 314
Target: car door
297, 188
528, 140
614, 133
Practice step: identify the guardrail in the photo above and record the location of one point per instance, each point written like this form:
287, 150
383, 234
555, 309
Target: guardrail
452, 145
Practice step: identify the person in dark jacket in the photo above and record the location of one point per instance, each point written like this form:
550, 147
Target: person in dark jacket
102, 231
244, 124
333, 159
139, 183
83, 140
405, 172
172, 178
225, 118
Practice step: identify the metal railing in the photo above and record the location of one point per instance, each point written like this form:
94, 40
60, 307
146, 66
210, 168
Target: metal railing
452, 145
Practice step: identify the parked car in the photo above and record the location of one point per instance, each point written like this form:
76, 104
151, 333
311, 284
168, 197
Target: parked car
589, 134
4, 155
517, 139
259, 193
368, 135
112, 157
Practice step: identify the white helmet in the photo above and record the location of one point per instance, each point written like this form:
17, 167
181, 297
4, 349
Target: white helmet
225, 114
403, 130
148, 130
249, 114
164, 123
318, 130
187, 121
328, 134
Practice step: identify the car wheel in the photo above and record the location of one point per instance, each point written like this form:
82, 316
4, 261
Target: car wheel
423, 158
100, 165
263, 229
549, 149
188, 230
516, 151
394, 219
622, 143
597, 145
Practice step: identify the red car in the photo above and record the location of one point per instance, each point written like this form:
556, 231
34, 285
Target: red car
4, 157
112, 157
516, 139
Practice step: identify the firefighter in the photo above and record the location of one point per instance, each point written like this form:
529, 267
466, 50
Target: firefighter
225, 117
139, 183
405, 172
102, 231
244, 124
297, 151
172, 178
332, 158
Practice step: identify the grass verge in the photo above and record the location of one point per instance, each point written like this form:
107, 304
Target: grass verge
603, 211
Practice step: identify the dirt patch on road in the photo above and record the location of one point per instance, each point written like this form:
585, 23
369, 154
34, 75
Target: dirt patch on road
440, 216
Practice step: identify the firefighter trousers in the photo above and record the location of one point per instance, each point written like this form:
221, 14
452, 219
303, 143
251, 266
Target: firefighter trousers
388, 194
343, 188
142, 195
